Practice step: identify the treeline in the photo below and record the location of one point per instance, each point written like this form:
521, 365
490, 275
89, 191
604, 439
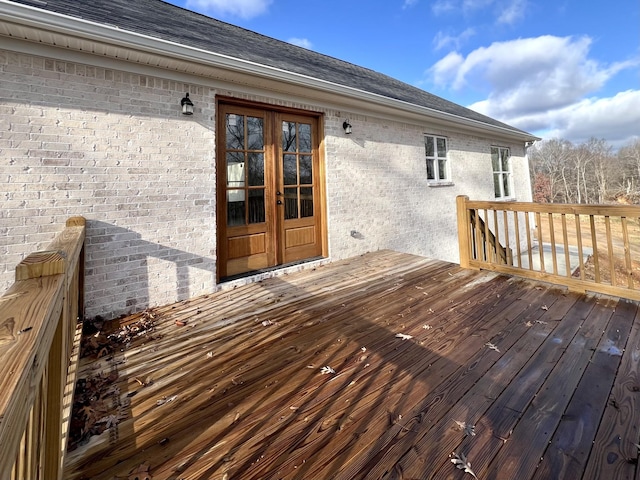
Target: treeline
591, 172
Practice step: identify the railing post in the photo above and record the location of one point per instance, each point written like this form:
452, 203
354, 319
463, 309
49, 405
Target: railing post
464, 230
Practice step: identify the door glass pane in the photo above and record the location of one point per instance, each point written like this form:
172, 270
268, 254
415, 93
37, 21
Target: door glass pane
306, 173
256, 169
290, 169
304, 137
254, 134
235, 208
306, 202
289, 136
256, 205
290, 203
442, 147
235, 131
235, 169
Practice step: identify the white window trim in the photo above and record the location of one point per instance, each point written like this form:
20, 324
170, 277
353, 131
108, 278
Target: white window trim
439, 182
502, 197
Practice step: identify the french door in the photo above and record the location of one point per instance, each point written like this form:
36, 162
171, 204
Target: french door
270, 202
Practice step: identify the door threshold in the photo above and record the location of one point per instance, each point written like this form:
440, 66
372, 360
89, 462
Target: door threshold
234, 281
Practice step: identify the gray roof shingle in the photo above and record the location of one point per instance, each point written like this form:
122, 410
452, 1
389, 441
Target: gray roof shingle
158, 19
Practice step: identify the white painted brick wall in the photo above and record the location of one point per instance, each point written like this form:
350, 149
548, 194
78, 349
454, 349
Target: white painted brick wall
113, 147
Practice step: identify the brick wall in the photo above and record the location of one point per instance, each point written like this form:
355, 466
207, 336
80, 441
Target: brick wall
113, 147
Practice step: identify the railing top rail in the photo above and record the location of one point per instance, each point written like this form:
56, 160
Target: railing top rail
628, 211
29, 314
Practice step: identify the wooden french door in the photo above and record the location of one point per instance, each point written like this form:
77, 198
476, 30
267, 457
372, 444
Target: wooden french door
270, 202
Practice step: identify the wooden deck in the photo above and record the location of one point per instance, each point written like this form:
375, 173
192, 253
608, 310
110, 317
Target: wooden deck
546, 381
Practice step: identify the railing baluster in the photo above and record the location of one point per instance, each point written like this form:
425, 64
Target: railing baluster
565, 242
594, 246
627, 252
517, 230
529, 243
612, 270
552, 239
540, 243
580, 250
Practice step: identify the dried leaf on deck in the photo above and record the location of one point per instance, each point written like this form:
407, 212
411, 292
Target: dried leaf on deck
327, 370
492, 346
164, 400
427, 327
460, 461
544, 307
469, 430
403, 336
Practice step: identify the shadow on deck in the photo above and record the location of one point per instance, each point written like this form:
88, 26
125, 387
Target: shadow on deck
524, 379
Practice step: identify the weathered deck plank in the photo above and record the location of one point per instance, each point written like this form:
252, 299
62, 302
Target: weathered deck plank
251, 402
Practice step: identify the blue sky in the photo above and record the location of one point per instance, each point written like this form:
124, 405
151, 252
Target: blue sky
557, 68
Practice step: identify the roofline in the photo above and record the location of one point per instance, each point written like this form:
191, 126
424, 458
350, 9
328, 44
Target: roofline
28, 16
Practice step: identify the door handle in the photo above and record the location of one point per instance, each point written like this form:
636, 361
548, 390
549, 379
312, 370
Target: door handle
279, 202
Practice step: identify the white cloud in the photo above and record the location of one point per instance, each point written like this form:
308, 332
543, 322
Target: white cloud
240, 8
512, 12
300, 42
441, 7
409, 3
443, 40
545, 84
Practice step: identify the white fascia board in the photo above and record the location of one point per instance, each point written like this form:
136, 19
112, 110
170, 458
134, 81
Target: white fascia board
28, 16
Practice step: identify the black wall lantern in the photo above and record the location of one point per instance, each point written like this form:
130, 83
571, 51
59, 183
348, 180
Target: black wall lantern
347, 127
187, 105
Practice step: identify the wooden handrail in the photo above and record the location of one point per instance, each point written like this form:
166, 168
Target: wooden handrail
40, 329
556, 250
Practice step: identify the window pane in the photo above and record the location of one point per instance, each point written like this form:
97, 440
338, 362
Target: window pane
256, 169
429, 146
505, 184
496, 185
290, 169
431, 174
235, 132
304, 137
235, 208
289, 136
495, 159
235, 169
442, 147
306, 174
306, 202
504, 155
255, 134
256, 206
290, 203
442, 169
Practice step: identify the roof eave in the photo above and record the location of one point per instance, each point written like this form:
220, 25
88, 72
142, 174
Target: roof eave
39, 19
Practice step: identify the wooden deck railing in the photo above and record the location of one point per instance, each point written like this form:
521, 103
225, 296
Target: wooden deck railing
584, 247
39, 340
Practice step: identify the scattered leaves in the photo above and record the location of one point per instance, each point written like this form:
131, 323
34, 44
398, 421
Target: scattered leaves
403, 336
266, 323
327, 370
460, 461
469, 430
492, 346
528, 324
164, 400
544, 307
427, 327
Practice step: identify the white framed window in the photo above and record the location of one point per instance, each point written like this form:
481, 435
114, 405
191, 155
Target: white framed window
502, 174
436, 155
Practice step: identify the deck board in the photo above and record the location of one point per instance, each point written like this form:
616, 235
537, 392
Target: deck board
251, 403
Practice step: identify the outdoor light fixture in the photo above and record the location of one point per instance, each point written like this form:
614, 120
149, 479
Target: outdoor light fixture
187, 105
347, 127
